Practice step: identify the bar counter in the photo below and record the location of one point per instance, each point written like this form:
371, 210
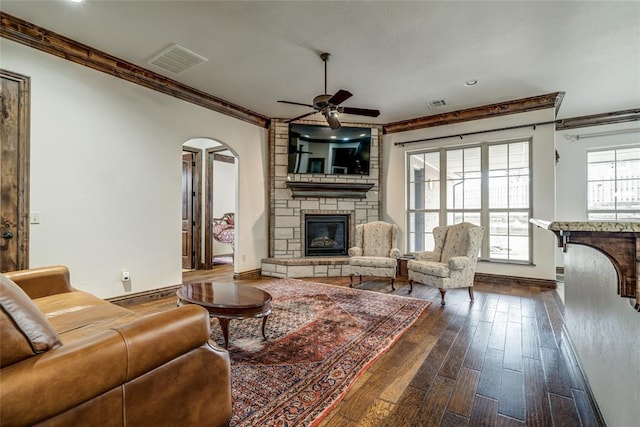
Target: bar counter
618, 240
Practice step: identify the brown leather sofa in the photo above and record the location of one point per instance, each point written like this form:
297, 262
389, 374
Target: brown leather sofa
71, 359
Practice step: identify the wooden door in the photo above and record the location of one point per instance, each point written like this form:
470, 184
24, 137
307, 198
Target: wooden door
187, 211
14, 172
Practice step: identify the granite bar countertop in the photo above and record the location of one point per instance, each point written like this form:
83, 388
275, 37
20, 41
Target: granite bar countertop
595, 226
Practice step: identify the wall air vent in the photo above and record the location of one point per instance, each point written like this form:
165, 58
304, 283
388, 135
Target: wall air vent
177, 59
436, 103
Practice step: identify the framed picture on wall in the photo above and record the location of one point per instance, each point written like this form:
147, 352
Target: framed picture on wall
316, 165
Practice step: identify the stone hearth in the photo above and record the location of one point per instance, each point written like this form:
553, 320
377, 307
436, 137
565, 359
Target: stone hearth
292, 196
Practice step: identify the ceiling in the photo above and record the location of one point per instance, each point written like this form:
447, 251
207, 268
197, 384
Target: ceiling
393, 56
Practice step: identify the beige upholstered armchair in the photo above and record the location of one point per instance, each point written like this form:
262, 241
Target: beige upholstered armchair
374, 253
452, 263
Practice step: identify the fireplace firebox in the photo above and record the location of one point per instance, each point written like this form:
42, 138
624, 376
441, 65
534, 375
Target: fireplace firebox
326, 235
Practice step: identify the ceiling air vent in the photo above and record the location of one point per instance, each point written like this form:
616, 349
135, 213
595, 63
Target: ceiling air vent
177, 59
436, 103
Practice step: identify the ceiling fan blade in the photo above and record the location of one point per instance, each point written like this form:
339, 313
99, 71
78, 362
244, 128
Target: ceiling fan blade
297, 103
299, 117
333, 121
361, 111
339, 97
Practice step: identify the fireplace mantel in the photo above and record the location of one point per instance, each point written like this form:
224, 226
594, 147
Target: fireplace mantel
347, 190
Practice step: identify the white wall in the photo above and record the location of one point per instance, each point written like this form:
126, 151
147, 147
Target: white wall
106, 172
543, 185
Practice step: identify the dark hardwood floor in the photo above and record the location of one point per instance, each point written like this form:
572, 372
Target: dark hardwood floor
502, 360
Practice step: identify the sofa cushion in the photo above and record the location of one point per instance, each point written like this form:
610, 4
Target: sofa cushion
21, 317
76, 315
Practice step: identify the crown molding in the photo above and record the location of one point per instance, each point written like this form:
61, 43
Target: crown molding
549, 100
28, 34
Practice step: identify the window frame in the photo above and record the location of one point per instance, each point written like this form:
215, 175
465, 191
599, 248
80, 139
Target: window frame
615, 211
484, 209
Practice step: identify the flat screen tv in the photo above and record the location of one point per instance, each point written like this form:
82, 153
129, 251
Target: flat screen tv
322, 150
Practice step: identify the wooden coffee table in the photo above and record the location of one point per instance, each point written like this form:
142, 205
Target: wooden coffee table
226, 301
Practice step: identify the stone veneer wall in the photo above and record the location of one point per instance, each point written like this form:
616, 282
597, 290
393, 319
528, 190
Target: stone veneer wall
286, 220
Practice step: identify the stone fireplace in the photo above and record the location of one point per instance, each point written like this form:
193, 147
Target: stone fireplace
356, 199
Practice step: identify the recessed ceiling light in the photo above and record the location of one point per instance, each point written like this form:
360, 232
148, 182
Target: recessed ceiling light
471, 82
76, 1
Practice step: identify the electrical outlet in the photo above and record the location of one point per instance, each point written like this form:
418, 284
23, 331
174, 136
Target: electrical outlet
125, 276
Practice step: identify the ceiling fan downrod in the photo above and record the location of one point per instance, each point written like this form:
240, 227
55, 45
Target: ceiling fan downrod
325, 57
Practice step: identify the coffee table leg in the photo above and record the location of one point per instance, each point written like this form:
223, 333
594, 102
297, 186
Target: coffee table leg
264, 323
224, 324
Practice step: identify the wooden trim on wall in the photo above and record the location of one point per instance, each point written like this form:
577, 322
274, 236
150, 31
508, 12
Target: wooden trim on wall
28, 34
144, 296
208, 215
250, 274
197, 208
223, 158
514, 280
549, 100
601, 119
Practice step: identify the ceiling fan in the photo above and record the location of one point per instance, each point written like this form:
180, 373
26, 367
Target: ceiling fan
329, 105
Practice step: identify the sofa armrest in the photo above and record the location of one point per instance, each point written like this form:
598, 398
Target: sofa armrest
428, 256
458, 262
355, 251
67, 376
155, 339
42, 281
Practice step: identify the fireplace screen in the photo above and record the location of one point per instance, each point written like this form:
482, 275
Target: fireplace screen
326, 235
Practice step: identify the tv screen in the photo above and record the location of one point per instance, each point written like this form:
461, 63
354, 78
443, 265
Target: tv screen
322, 150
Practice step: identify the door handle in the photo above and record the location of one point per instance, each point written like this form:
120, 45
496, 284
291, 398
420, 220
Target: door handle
5, 233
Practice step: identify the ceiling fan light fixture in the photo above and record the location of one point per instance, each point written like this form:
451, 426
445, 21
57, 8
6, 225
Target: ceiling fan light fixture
329, 105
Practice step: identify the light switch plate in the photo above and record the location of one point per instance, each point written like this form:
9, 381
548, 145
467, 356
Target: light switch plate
34, 218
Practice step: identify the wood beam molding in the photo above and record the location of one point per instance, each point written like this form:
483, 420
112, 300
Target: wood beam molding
223, 158
600, 119
549, 100
28, 34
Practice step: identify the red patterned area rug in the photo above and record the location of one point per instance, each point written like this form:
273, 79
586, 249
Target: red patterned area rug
320, 339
